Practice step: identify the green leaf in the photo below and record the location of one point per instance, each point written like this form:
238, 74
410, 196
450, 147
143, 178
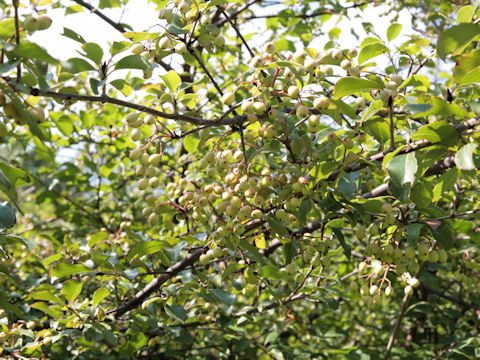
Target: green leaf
422, 194
465, 14
93, 52
272, 272
467, 66
349, 183
7, 28
146, 248
46, 295
8, 66
176, 312
444, 235
402, 168
29, 51
445, 183
76, 65
370, 51
303, 211
437, 132
413, 233
190, 143
372, 109
65, 270
140, 36
73, 35
393, 31
417, 108
71, 289
224, 296
7, 187
172, 80
7, 216
288, 252
131, 62
349, 86
379, 129
472, 77
464, 157
456, 38
276, 225
99, 295
339, 235
49, 310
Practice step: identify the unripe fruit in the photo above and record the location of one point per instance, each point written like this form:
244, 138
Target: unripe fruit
392, 85
217, 252
144, 159
205, 20
293, 92
154, 219
183, 7
387, 208
204, 259
409, 253
434, 256
408, 290
164, 43
396, 78
388, 249
142, 183
423, 249
135, 154
442, 256
413, 267
37, 114
44, 22
300, 56
137, 49
228, 98
328, 70
348, 143
3, 99
154, 159
259, 107
247, 107
310, 64
352, 53
360, 103
353, 286
256, 61
180, 48
269, 47
360, 233
219, 41
337, 54
132, 118
388, 291
31, 24
346, 64
321, 103
354, 72
135, 134
414, 282
302, 111
373, 289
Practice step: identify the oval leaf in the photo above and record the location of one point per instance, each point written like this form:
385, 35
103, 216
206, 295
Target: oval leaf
402, 168
455, 38
348, 86
464, 157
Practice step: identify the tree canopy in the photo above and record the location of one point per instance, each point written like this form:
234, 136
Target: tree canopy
203, 190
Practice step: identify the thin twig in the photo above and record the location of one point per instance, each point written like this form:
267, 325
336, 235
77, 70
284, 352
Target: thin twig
94, 10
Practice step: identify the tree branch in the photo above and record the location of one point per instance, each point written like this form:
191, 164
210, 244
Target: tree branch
156, 283
94, 10
235, 120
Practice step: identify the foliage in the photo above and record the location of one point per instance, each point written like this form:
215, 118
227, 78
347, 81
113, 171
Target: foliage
290, 201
